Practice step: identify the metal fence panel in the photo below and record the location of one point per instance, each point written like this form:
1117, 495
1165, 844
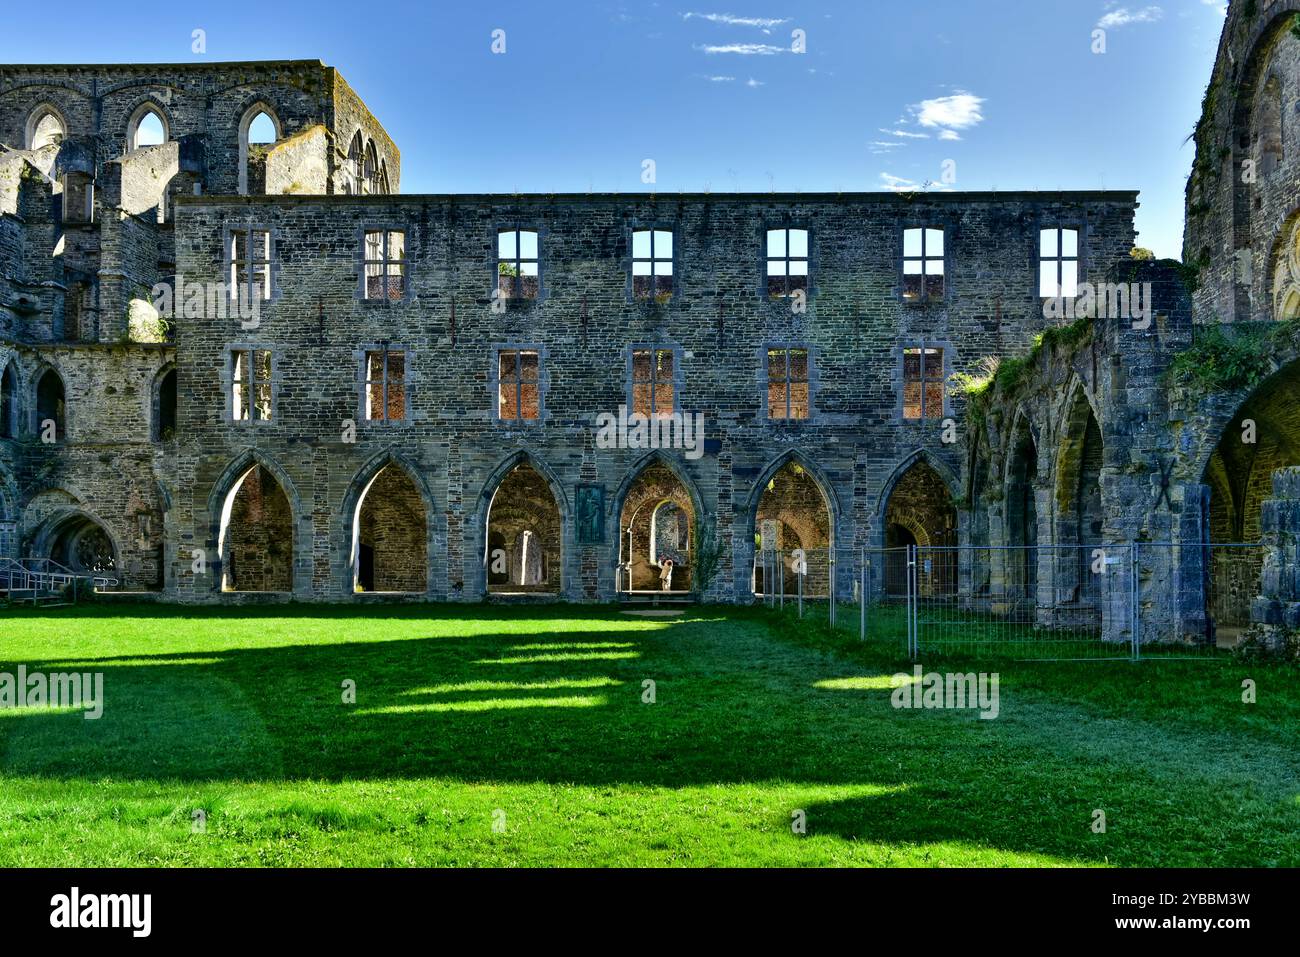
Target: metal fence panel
1048, 602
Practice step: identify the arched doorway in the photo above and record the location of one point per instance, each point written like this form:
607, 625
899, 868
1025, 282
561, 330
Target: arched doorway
80, 542
793, 512
1263, 436
656, 533
390, 535
256, 537
1078, 496
525, 530
920, 512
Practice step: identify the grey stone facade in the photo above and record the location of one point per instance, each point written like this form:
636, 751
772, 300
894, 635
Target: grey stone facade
1087, 444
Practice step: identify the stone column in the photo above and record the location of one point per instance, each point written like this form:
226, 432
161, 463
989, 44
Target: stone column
1275, 612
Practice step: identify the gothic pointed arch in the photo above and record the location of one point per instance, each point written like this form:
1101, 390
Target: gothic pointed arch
386, 515
254, 509
524, 518
659, 506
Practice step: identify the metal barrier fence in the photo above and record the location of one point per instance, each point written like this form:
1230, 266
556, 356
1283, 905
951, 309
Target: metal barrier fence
1053, 602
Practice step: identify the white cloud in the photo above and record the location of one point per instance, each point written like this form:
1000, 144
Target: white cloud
1123, 16
949, 135
897, 183
744, 49
752, 83
957, 112
904, 134
730, 19
720, 79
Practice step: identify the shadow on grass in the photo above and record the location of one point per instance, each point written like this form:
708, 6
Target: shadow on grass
739, 699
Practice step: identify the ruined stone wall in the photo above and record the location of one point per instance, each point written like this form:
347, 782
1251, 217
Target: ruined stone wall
719, 324
1241, 197
351, 116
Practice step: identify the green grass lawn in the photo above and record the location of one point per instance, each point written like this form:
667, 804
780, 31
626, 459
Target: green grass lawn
533, 717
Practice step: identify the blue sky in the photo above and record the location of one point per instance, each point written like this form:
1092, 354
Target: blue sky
1009, 90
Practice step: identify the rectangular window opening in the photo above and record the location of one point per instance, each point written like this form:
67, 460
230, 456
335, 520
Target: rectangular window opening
787, 262
519, 375
787, 384
385, 385
249, 255
923, 382
1058, 263
923, 264
251, 385
385, 264
517, 264
652, 264
653, 388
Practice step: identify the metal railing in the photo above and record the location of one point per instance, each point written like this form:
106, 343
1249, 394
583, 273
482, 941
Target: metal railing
37, 578
1124, 601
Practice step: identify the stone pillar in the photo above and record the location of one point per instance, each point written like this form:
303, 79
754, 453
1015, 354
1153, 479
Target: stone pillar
1275, 612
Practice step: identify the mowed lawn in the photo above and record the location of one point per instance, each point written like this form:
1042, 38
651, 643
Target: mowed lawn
490, 735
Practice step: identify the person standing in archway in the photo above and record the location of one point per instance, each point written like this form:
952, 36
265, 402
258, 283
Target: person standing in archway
666, 575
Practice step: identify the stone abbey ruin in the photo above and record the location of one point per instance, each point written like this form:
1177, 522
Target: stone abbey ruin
344, 393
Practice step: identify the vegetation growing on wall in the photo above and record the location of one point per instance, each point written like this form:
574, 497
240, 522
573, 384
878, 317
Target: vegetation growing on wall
1007, 375
1224, 358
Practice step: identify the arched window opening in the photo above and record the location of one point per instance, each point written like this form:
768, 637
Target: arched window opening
9, 402
370, 173
656, 522
50, 406
45, 129
148, 129
793, 514
920, 505
259, 131
80, 543
164, 418
389, 535
356, 163
256, 535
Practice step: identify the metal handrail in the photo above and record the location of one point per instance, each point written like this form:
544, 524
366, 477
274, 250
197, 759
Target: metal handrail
45, 575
